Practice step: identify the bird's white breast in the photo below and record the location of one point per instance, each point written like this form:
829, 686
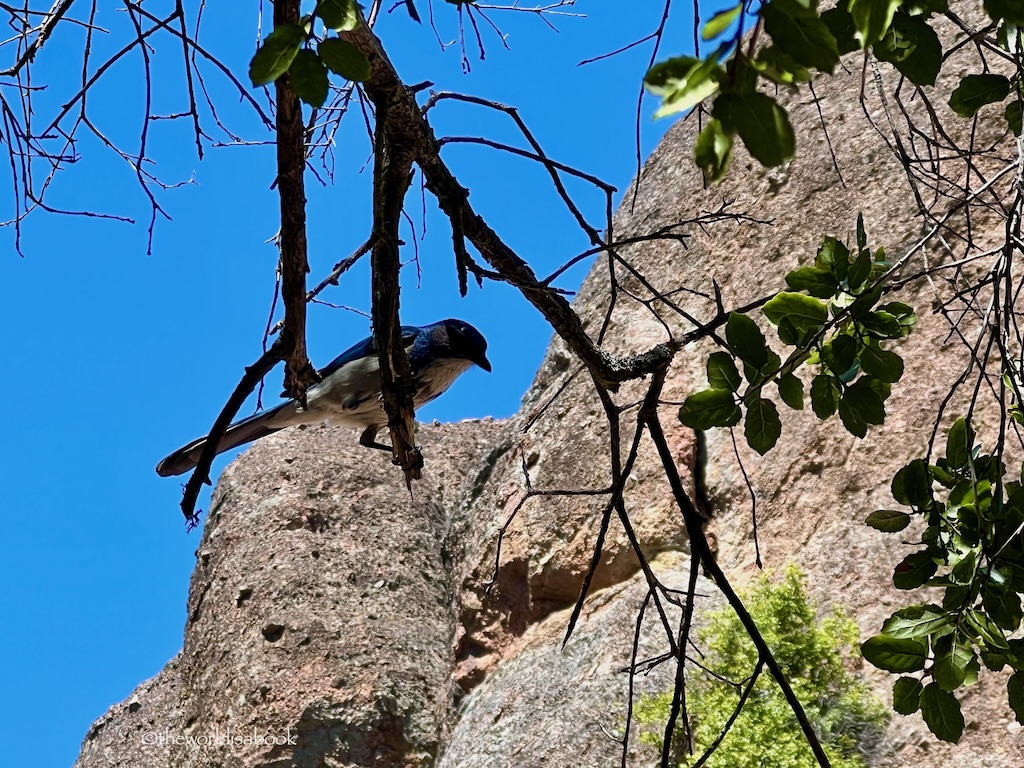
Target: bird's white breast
351, 394
436, 378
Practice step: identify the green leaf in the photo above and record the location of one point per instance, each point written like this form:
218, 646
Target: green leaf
743, 73
1015, 657
974, 493
916, 621
757, 375
276, 54
906, 695
882, 364
941, 475
1015, 693
862, 305
792, 391
1002, 606
309, 78
1013, 115
880, 388
722, 373
779, 67
746, 340
881, 264
798, 31
914, 570
805, 312
912, 485
860, 406
902, 312
993, 660
973, 668
815, 280
713, 151
344, 59
762, 427
799, 336
975, 91
682, 82
888, 520
840, 24
898, 309
789, 335
990, 467
824, 396
840, 355
941, 712
340, 15
964, 571
1008, 37
710, 408
1011, 10
859, 270
988, 631
895, 45
881, 324
959, 442
956, 598
894, 655
762, 124
1016, 413
871, 18
952, 658
834, 255
720, 22
911, 46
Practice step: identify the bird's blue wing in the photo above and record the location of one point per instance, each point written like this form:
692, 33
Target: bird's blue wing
365, 348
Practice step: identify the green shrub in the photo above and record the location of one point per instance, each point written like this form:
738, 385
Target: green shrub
818, 658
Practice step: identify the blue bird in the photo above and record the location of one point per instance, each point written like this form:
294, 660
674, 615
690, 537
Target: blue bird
349, 390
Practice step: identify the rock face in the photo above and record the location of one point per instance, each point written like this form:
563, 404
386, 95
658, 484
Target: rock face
336, 620
319, 614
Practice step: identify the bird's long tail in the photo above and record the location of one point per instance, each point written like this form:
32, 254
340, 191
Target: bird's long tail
239, 433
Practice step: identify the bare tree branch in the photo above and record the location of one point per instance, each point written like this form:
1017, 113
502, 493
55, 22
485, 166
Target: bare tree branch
392, 175
45, 29
291, 165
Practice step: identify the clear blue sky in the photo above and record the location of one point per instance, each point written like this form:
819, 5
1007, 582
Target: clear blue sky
113, 358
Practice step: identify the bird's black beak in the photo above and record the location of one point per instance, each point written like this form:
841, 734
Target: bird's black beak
483, 362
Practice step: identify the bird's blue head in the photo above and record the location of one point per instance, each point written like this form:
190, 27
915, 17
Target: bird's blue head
459, 339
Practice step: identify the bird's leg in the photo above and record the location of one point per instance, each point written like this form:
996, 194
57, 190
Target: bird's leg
368, 439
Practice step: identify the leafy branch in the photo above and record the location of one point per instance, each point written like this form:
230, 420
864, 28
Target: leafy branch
855, 372
805, 44
972, 550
